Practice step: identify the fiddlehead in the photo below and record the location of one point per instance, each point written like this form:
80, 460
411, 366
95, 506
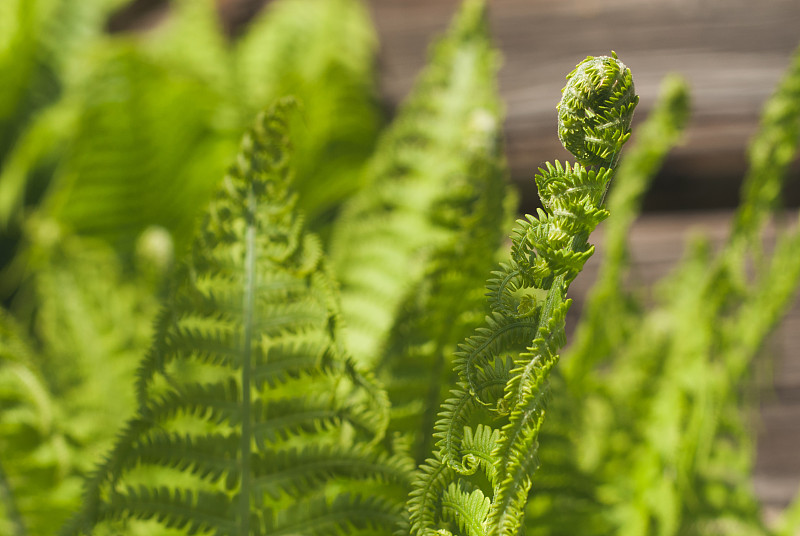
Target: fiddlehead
595, 112
504, 367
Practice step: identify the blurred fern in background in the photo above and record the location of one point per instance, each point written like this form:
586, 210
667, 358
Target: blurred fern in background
142, 126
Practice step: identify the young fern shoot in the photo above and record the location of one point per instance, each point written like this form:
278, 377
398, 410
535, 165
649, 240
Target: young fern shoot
478, 481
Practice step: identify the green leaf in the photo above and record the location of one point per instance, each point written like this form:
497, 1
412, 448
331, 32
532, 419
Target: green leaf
253, 434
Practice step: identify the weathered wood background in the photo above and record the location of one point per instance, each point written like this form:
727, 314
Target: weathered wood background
732, 52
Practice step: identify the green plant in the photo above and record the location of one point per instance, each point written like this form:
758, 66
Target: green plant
247, 409
491, 423
142, 127
264, 406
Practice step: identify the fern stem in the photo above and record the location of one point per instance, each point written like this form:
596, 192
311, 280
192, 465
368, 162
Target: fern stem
248, 321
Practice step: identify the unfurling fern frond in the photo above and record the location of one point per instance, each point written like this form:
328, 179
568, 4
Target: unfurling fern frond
568, 496
659, 390
528, 295
246, 402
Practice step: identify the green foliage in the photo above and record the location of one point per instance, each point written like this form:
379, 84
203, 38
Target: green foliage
41, 43
143, 128
66, 385
431, 169
286, 394
654, 414
438, 171
504, 367
247, 406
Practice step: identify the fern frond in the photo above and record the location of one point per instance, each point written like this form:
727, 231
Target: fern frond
528, 296
142, 129
173, 508
209, 456
770, 152
415, 359
64, 394
596, 109
323, 52
454, 418
347, 514
424, 502
243, 375
669, 399
129, 145
32, 153
500, 334
430, 169
28, 410
44, 43
480, 446
192, 41
532, 366
294, 471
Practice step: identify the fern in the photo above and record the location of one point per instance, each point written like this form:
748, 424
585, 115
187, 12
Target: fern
529, 300
663, 430
249, 416
429, 169
143, 128
28, 413
246, 401
42, 51
568, 495
67, 381
438, 311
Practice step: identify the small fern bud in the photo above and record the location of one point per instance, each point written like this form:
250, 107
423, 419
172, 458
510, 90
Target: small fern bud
596, 109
